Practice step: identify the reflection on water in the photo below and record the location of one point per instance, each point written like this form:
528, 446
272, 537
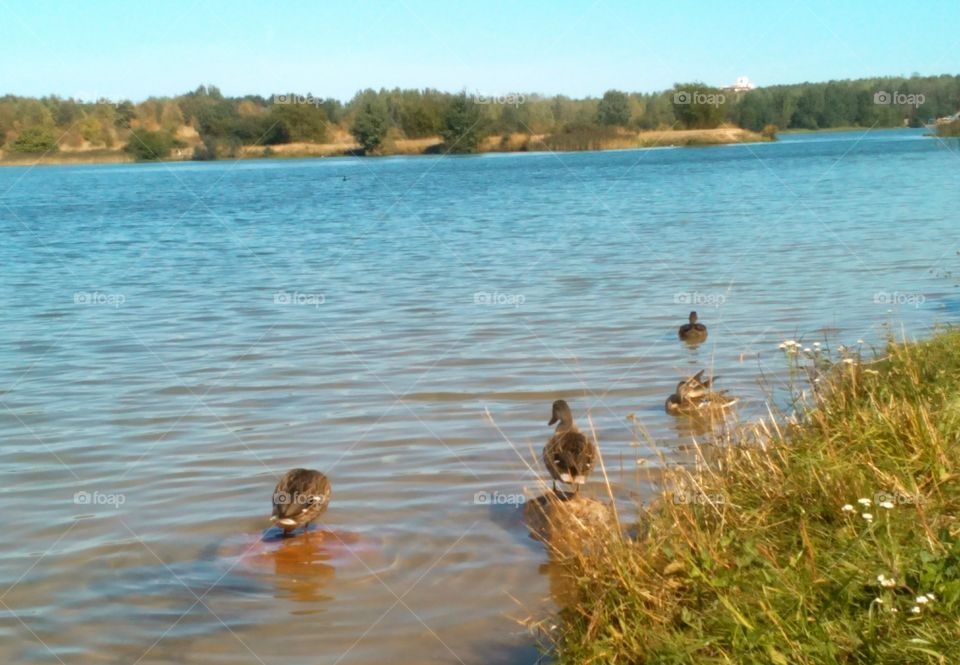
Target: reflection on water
275, 316
300, 566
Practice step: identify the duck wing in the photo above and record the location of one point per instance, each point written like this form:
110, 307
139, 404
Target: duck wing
569, 456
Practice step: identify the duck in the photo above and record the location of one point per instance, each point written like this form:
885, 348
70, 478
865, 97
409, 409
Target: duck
569, 455
693, 331
301, 496
695, 397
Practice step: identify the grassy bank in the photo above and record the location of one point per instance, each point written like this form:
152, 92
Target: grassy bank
829, 537
343, 146
97, 156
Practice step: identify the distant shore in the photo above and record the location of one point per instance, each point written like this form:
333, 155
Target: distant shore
345, 146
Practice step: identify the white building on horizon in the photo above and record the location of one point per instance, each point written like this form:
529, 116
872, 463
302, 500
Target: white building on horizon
743, 84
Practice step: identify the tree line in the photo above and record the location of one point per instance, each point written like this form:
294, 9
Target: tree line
215, 125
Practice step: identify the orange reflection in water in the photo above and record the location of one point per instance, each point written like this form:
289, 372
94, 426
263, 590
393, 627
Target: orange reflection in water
300, 566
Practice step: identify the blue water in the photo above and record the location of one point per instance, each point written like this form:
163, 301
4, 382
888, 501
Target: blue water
175, 336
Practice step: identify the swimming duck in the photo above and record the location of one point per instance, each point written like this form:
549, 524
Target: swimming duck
568, 455
695, 397
693, 331
300, 497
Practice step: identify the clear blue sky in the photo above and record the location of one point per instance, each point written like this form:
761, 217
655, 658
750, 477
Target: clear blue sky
134, 49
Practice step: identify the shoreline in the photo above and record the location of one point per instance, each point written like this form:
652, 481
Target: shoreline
423, 146
844, 511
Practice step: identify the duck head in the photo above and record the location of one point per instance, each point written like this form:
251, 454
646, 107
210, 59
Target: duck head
693, 317
561, 414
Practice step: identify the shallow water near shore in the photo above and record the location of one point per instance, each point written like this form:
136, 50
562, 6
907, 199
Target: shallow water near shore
176, 336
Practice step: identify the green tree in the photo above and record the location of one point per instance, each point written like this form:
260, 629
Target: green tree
34, 140
298, 121
419, 112
149, 146
90, 129
462, 126
371, 120
614, 109
698, 106
124, 114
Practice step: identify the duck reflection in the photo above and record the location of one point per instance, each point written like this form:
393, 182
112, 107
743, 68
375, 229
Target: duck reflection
302, 566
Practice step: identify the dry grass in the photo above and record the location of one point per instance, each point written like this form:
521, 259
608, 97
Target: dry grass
342, 143
761, 562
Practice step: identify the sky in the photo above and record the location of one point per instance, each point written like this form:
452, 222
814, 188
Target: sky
133, 50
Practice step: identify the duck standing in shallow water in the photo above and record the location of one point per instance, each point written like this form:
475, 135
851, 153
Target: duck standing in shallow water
568, 455
300, 497
695, 397
693, 331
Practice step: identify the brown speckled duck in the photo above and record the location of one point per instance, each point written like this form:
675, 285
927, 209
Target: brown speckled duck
695, 397
569, 455
300, 497
693, 331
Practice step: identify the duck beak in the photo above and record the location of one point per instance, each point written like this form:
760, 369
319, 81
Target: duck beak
554, 420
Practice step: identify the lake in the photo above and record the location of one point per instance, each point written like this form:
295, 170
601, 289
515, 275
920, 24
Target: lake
176, 336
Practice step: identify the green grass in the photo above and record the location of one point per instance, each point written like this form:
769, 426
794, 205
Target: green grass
769, 567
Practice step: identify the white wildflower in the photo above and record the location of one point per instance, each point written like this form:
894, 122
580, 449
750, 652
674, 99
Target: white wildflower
863, 502
887, 504
930, 596
915, 609
867, 517
922, 600
847, 508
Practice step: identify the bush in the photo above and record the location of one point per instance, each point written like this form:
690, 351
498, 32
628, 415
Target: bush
34, 140
206, 151
371, 121
581, 136
614, 109
149, 146
294, 122
462, 127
